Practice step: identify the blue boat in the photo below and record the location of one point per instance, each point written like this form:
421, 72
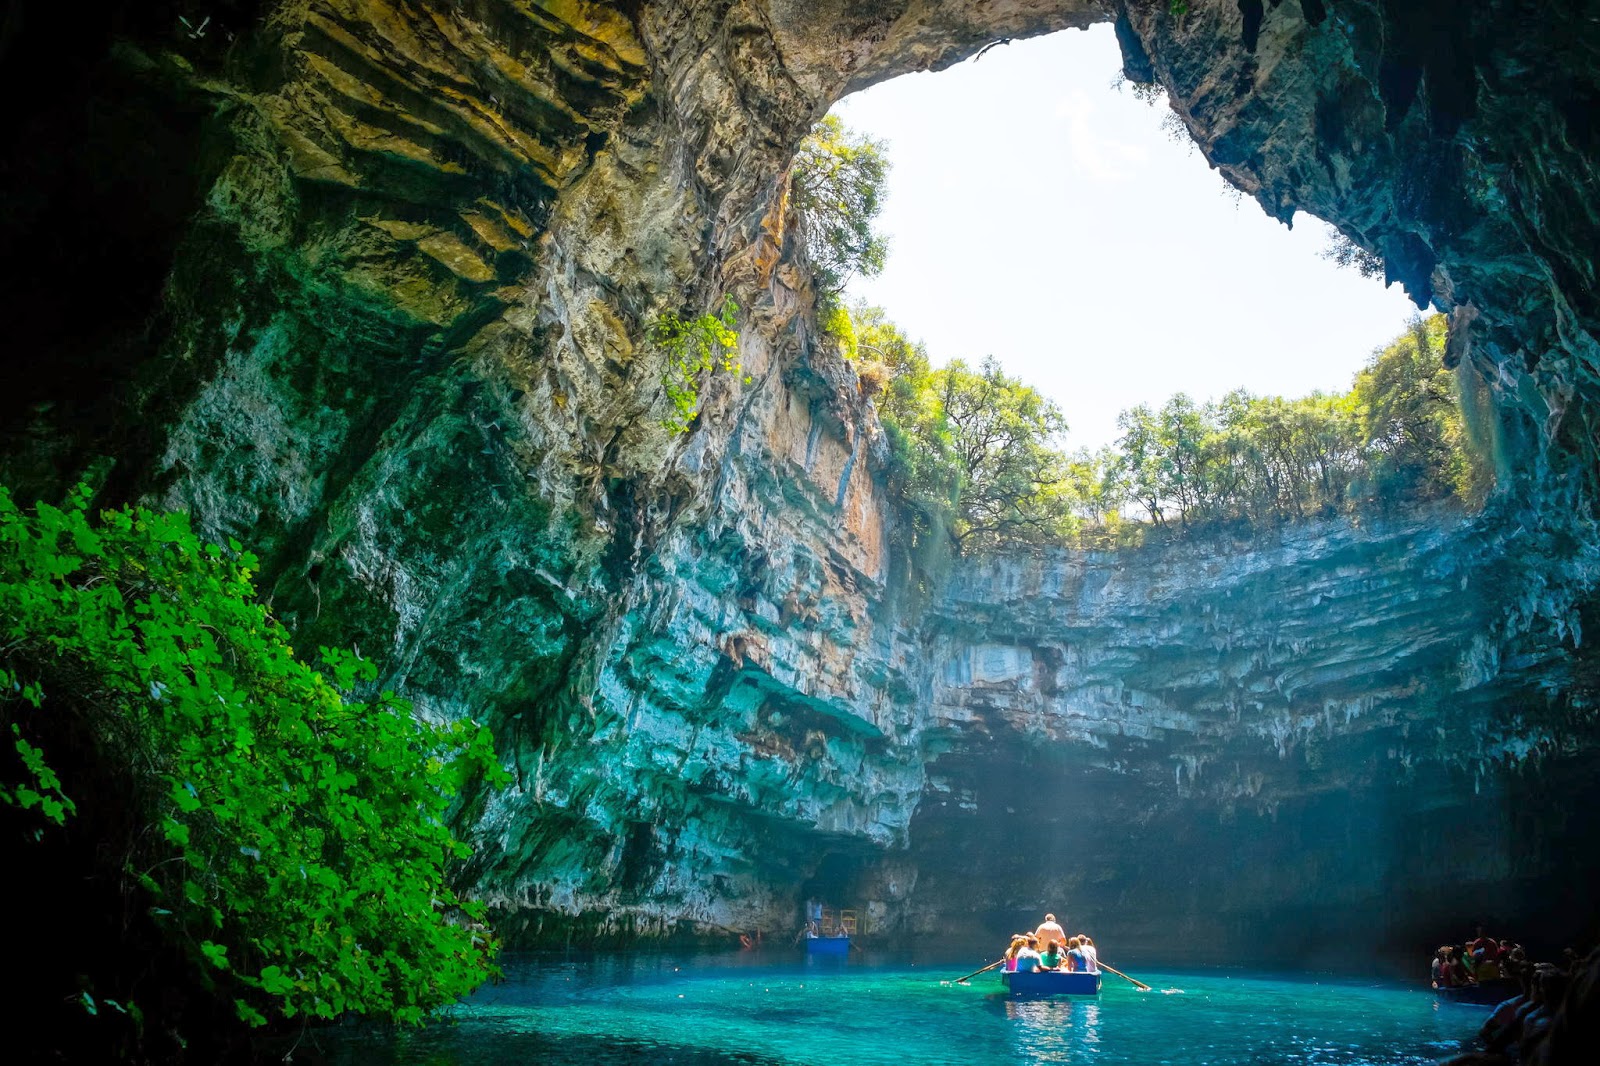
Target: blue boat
1051, 983
827, 945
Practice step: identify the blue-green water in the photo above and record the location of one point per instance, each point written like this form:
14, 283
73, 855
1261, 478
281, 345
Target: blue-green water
750, 1009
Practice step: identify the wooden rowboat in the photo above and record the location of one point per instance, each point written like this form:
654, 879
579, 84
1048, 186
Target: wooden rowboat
1051, 983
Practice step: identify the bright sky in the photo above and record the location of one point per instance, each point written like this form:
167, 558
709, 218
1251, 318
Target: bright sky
1037, 214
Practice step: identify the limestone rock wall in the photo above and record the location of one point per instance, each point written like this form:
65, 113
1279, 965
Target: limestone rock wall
1345, 728
385, 316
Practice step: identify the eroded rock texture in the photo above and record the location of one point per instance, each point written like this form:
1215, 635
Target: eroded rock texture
1317, 729
383, 272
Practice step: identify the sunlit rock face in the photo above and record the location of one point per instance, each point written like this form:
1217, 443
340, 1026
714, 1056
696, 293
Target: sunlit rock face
384, 319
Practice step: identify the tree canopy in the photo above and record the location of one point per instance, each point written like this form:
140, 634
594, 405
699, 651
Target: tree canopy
977, 455
977, 459
837, 183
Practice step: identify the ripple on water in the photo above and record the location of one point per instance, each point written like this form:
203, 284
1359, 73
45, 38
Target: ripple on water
710, 1011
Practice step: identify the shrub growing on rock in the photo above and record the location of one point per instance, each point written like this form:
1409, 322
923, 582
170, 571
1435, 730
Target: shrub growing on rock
276, 846
694, 349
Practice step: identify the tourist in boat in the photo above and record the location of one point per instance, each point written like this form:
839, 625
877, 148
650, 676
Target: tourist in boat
1077, 961
1505, 1011
1049, 932
1441, 968
1051, 957
1018, 942
1450, 970
1091, 951
1547, 988
1028, 956
1552, 990
1484, 957
1459, 973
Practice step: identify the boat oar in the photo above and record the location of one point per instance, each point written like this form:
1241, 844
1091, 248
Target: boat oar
1140, 985
974, 973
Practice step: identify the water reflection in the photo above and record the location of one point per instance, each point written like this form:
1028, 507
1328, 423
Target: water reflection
1053, 1030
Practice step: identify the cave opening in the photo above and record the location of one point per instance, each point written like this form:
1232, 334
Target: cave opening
1043, 209
417, 288
1042, 214
834, 876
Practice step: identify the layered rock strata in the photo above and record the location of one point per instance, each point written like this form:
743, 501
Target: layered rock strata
1191, 744
385, 319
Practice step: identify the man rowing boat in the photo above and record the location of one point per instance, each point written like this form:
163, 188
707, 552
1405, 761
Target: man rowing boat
1050, 933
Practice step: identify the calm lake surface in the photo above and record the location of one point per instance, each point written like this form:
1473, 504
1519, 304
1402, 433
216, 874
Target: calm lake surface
772, 1008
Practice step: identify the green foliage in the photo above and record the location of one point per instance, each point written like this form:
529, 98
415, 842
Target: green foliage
42, 788
921, 474
875, 339
972, 461
693, 349
1398, 434
975, 463
290, 840
1094, 485
1001, 436
837, 184
1414, 418
1346, 253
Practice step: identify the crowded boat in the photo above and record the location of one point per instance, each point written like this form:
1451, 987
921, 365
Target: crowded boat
1048, 961
1544, 1012
1049, 948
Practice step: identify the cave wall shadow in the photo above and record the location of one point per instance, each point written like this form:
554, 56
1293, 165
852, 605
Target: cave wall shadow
1343, 880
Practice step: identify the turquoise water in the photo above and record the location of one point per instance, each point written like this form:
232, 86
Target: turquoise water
764, 1010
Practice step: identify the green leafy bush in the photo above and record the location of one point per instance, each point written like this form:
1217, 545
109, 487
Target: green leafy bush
693, 349
287, 840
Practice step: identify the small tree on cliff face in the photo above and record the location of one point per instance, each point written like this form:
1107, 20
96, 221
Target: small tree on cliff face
1347, 254
837, 184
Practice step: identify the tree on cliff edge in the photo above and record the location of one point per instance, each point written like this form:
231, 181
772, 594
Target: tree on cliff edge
837, 183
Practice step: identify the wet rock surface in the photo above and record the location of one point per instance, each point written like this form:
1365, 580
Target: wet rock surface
386, 323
